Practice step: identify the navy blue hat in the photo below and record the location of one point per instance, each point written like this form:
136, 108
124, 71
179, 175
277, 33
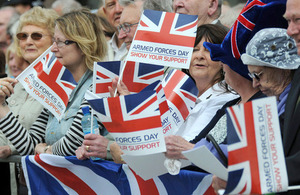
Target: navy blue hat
256, 15
16, 2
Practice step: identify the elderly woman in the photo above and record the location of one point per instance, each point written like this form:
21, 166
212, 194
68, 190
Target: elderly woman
78, 42
31, 42
271, 56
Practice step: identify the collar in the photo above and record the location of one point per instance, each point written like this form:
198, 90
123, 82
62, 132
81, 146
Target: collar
213, 91
113, 43
82, 80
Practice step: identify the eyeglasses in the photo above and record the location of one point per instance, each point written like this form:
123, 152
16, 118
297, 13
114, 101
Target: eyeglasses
63, 43
126, 27
34, 36
255, 75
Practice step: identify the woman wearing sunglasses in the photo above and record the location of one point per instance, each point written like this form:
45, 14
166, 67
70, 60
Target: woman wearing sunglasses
31, 42
271, 56
78, 42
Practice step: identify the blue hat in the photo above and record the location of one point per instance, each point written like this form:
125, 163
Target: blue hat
256, 15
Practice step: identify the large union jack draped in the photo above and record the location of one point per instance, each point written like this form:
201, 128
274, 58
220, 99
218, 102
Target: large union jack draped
51, 83
50, 174
256, 15
136, 76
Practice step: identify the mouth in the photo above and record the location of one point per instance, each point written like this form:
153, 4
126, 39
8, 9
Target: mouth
200, 66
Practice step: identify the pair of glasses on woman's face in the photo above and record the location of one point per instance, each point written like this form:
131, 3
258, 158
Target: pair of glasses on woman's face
255, 75
34, 36
60, 43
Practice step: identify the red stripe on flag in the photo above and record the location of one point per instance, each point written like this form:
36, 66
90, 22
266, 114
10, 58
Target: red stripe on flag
192, 98
68, 85
103, 76
153, 75
151, 101
146, 187
66, 177
102, 87
189, 26
143, 24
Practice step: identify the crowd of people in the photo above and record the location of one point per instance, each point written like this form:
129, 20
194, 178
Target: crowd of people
79, 36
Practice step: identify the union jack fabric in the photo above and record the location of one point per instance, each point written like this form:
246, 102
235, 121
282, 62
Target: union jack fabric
48, 81
256, 15
164, 38
256, 162
51, 174
136, 76
181, 93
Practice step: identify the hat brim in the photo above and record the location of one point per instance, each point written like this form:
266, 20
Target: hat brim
249, 60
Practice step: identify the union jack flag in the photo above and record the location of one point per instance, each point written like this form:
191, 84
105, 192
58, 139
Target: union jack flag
51, 174
136, 76
49, 82
168, 124
181, 93
256, 15
164, 38
128, 113
253, 135
55, 76
167, 28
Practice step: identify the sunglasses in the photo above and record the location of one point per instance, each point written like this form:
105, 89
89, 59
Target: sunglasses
255, 75
34, 36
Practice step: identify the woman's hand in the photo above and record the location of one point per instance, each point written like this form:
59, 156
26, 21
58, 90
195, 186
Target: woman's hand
5, 151
121, 88
93, 145
42, 148
116, 153
175, 145
218, 184
6, 88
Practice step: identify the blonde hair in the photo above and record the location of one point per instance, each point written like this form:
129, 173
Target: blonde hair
11, 49
37, 16
84, 28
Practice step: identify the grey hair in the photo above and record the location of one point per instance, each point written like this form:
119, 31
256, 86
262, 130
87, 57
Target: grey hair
67, 5
158, 5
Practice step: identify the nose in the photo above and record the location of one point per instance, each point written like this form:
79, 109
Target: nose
119, 8
122, 34
177, 3
292, 29
255, 83
54, 47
